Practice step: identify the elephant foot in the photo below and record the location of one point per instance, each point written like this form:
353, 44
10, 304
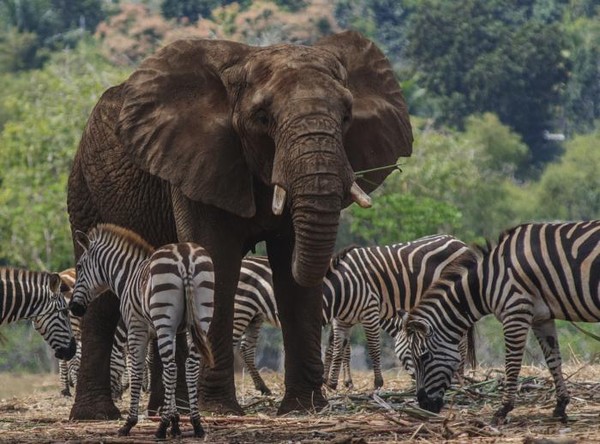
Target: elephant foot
224, 406
310, 402
100, 408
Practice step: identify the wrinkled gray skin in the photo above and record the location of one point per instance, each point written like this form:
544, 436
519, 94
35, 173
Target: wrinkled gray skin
190, 148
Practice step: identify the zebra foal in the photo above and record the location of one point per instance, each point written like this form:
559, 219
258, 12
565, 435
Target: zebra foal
535, 274
161, 292
37, 296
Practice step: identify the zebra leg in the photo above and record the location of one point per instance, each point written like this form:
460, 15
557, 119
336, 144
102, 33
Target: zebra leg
248, 352
346, 367
371, 325
328, 353
192, 374
167, 355
63, 371
515, 337
545, 332
341, 337
137, 341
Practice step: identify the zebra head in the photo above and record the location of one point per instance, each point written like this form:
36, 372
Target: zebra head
400, 344
88, 284
435, 361
54, 323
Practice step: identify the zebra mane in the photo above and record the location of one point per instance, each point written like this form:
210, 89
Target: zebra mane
340, 255
129, 236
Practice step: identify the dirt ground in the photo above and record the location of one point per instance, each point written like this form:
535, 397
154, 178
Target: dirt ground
39, 414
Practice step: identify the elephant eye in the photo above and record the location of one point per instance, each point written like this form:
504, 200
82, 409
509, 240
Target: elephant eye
262, 117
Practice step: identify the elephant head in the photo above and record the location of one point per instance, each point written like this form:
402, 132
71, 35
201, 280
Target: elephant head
211, 117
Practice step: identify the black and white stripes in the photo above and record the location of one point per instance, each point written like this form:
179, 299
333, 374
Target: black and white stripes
536, 273
37, 296
161, 293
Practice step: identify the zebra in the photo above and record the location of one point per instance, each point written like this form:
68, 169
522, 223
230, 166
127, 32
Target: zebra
368, 285
68, 370
36, 295
536, 273
161, 293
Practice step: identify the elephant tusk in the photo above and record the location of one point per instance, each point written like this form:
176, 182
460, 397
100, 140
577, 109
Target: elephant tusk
278, 200
360, 197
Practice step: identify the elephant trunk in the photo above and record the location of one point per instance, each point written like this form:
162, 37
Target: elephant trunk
320, 181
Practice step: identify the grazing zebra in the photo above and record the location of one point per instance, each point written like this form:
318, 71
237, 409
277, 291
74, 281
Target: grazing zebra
535, 274
366, 285
161, 292
36, 295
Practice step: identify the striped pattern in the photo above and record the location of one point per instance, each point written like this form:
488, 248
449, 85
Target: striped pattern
367, 285
535, 274
161, 293
36, 295
68, 370
363, 285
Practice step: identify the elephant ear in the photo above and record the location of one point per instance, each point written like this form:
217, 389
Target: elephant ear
176, 122
380, 131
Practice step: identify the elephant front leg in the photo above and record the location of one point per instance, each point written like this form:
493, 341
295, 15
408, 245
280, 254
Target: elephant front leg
93, 398
300, 313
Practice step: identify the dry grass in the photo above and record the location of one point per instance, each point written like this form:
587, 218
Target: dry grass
355, 416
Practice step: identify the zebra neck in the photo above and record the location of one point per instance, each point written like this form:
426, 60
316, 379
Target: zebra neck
21, 295
121, 271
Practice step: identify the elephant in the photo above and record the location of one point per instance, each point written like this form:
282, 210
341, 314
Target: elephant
227, 145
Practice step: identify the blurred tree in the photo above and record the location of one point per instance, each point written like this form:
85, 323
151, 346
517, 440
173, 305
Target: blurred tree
44, 114
459, 183
45, 25
581, 97
477, 56
190, 10
570, 188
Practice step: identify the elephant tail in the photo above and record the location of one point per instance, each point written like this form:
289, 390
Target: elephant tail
193, 320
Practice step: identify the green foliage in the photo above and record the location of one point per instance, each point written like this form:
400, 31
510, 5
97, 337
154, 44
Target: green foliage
30, 29
459, 183
24, 350
191, 10
570, 188
490, 56
44, 113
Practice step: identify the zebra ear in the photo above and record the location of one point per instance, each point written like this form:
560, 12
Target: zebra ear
403, 315
418, 326
55, 282
82, 239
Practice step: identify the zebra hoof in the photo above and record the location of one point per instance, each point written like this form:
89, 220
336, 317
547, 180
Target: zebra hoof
560, 409
349, 384
175, 429
161, 432
198, 429
124, 431
265, 391
378, 383
66, 392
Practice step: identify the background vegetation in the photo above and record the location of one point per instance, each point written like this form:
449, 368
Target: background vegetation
504, 97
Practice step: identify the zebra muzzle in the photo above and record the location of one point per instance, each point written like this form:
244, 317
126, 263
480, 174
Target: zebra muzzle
77, 309
431, 404
66, 353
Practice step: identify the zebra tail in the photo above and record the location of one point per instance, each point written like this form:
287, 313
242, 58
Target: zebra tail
199, 338
471, 357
